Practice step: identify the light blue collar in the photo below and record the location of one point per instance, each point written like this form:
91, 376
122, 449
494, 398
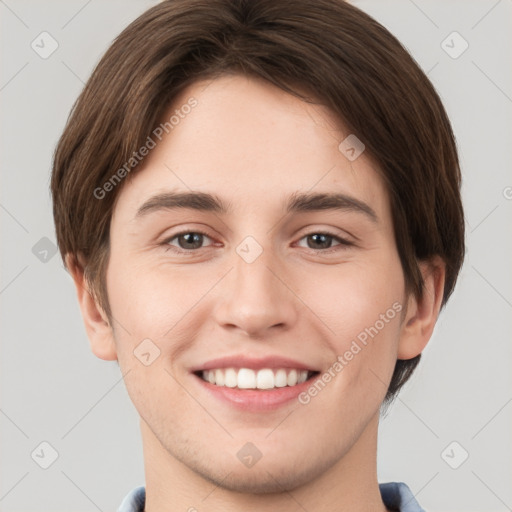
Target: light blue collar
395, 495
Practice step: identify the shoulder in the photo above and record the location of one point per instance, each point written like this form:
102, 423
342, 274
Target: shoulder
134, 501
398, 496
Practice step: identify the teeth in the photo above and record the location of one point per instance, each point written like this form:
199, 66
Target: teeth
280, 378
230, 378
219, 377
265, 379
246, 378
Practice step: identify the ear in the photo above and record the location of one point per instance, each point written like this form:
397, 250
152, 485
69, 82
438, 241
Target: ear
421, 314
98, 328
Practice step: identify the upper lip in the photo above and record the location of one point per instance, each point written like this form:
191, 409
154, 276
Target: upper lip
255, 363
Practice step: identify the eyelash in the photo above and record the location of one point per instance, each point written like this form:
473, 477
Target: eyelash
343, 243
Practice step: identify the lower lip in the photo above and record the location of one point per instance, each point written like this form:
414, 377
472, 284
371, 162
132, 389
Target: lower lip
255, 399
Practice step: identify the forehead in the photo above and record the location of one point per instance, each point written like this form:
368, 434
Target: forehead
253, 144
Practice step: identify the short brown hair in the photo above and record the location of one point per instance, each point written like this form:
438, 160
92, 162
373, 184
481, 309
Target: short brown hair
337, 54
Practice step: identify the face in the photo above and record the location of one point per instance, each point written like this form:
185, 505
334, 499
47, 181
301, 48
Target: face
284, 269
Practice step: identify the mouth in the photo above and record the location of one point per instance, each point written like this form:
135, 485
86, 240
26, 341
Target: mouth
264, 379
255, 382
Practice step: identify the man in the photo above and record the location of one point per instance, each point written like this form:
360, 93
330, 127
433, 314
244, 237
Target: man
259, 205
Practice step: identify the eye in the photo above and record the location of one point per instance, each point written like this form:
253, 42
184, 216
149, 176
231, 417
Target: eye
187, 240
190, 241
323, 241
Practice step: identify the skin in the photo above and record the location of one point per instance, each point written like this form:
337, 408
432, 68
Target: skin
253, 145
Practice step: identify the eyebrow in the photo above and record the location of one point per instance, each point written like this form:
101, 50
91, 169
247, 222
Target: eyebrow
297, 202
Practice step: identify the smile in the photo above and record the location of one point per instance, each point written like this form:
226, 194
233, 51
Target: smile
247, 378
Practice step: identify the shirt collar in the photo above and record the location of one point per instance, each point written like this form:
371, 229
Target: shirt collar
395, 495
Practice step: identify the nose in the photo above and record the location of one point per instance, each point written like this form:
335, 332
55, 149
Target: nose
256, 298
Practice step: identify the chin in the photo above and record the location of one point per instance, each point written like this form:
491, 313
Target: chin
266, 479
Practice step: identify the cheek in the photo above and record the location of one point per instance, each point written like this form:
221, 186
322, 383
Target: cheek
352, 297
150, 301
361, 307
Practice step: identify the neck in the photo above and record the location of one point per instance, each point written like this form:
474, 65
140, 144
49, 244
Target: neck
350, 484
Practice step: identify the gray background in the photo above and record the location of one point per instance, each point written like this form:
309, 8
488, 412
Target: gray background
53, 389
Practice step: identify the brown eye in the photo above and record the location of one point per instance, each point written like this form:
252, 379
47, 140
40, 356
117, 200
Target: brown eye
187, 241
319, 241
324, 241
